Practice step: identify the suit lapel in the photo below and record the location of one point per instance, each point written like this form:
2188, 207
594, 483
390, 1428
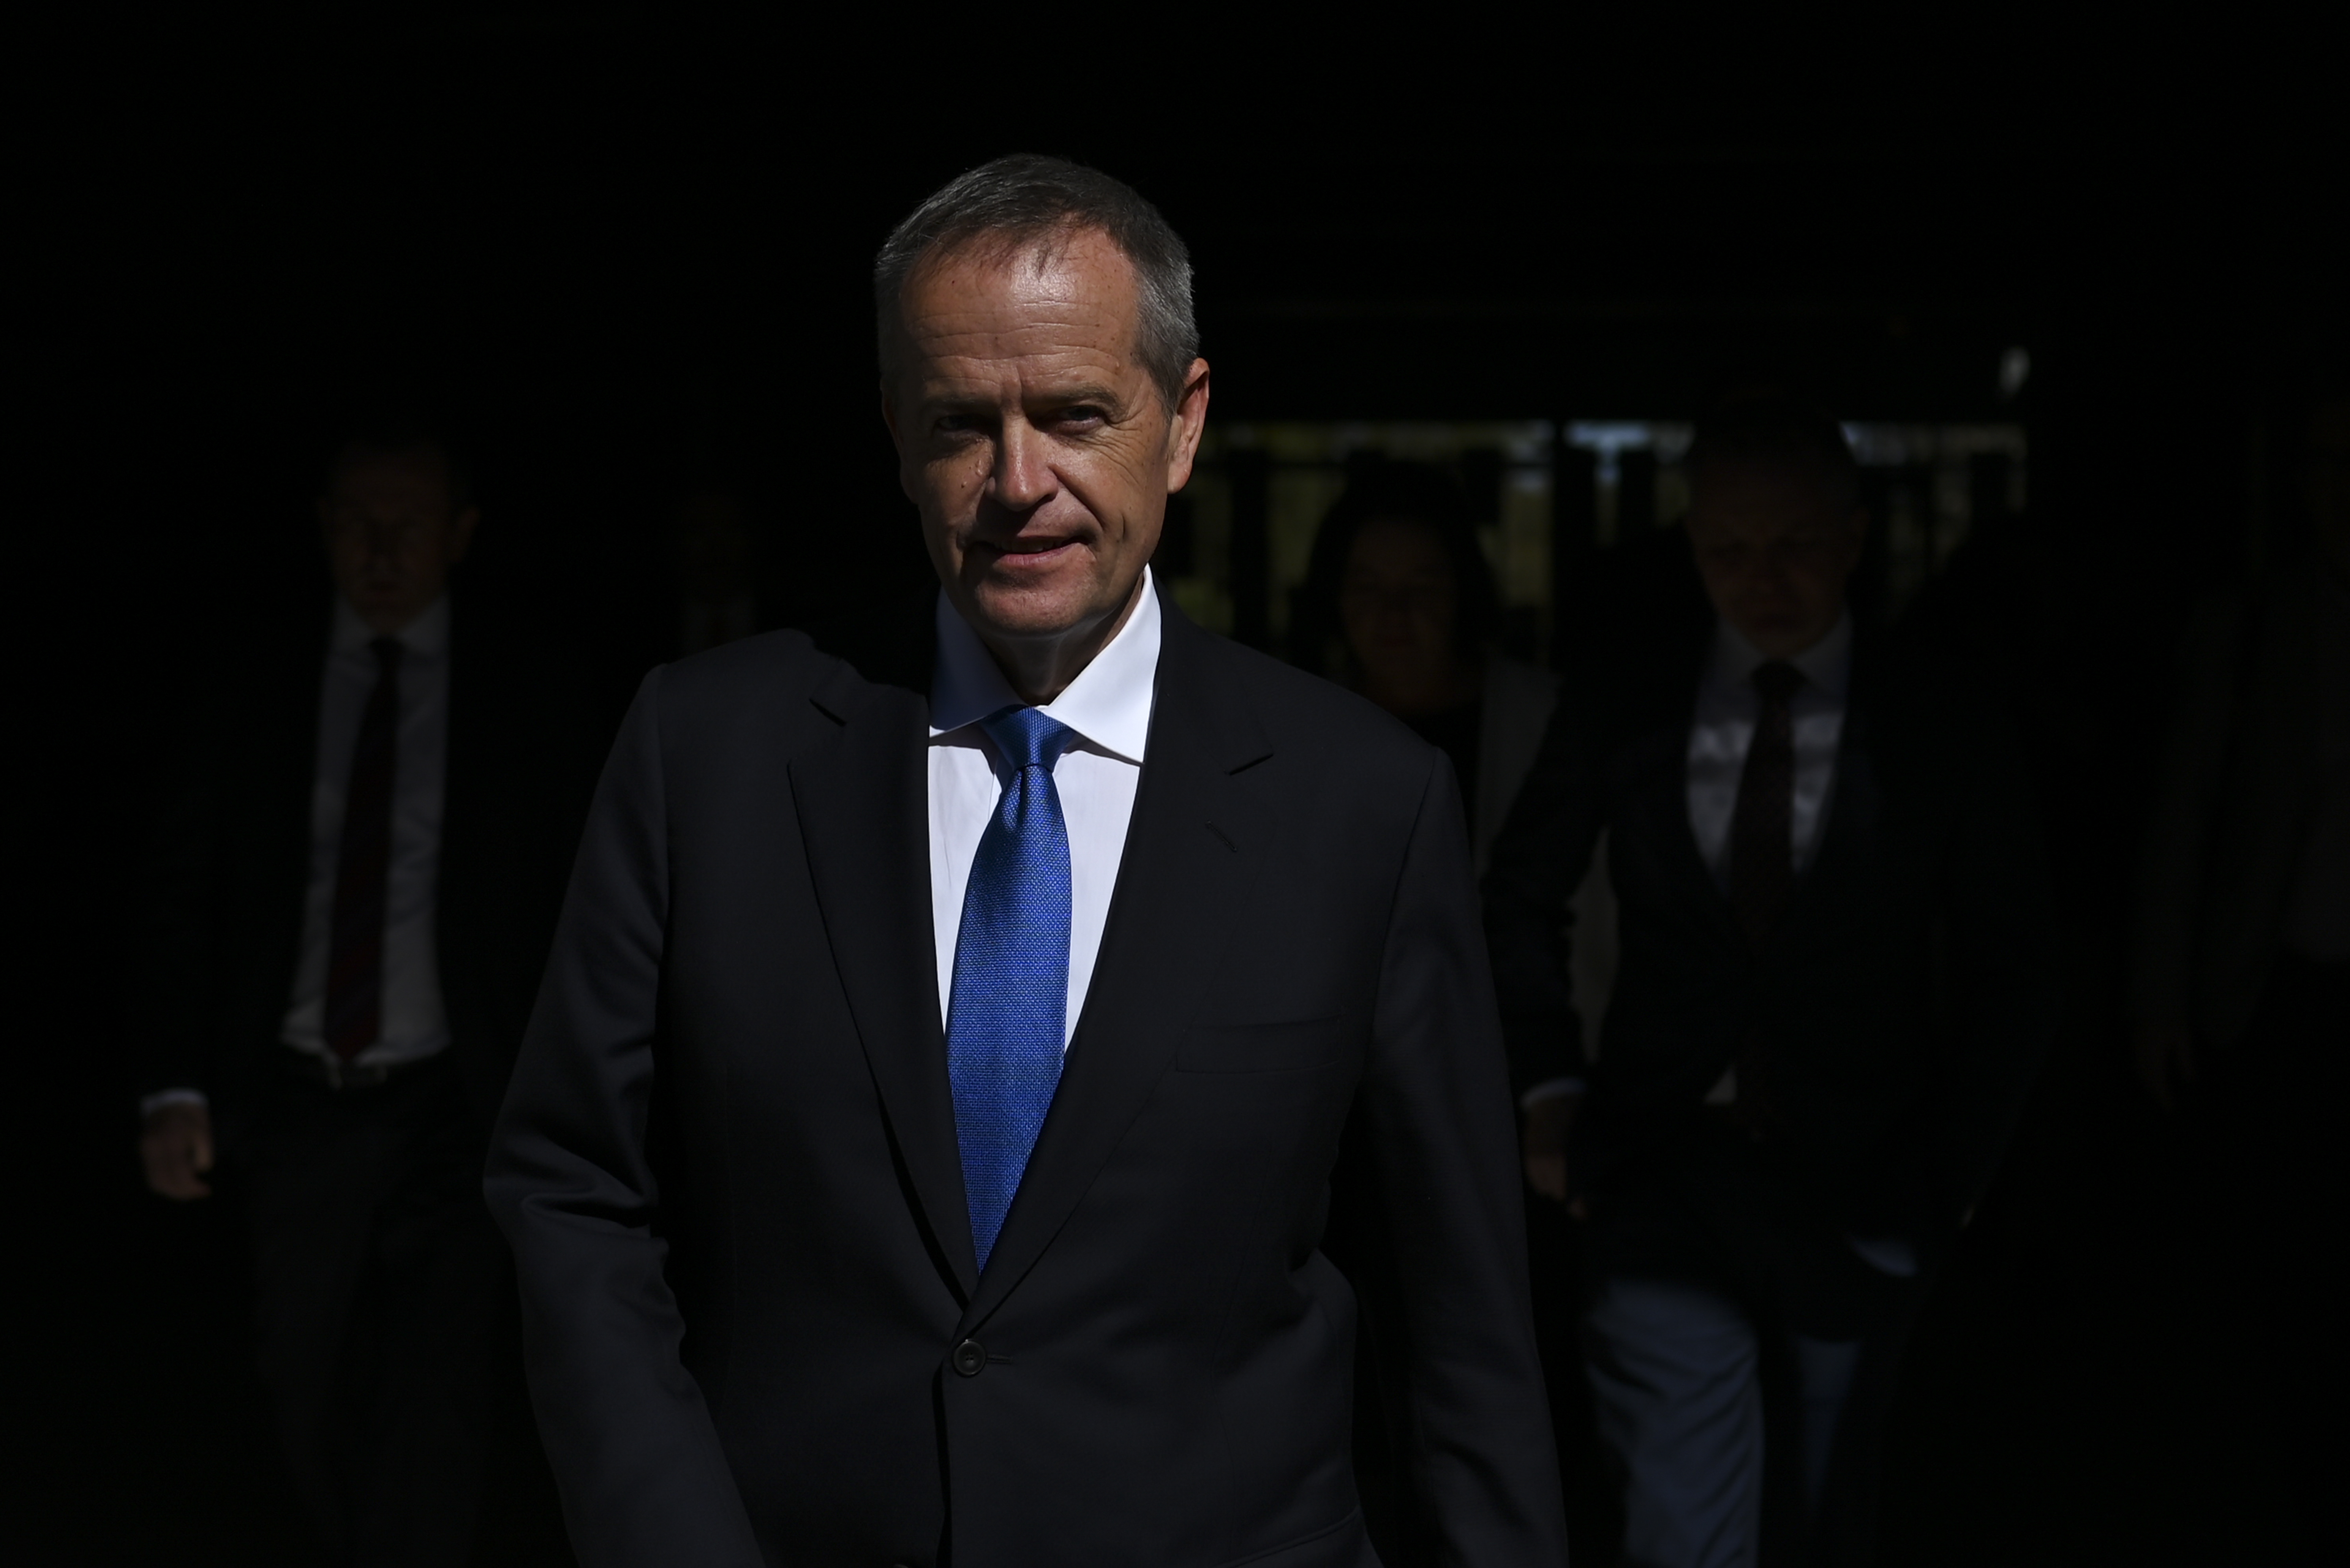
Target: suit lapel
863, 814
1195, 844
1656, 770
1660, 707
1855, 804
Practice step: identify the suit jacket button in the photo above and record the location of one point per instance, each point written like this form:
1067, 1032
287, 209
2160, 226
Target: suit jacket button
970, 1357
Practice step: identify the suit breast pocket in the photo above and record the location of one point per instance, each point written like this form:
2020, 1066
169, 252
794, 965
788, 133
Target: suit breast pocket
1289, 1045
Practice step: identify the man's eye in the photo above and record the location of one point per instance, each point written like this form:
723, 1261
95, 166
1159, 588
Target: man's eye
1081, 415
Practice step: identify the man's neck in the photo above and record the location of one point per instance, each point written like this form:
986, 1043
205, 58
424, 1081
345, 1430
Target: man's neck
1040, 670
1788, 652
384, 623
1824, 659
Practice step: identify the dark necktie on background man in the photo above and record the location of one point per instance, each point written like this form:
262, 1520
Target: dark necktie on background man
1763, 846
354, 1012
1007, 1020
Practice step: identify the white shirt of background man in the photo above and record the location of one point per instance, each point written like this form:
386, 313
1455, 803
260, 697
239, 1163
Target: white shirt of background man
1108, 706
1728, 708
1722, 731
415, 1022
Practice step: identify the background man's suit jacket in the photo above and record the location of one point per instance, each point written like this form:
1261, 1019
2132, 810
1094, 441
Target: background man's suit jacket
221, 907
2232, 806
1904, 1003
728, 1166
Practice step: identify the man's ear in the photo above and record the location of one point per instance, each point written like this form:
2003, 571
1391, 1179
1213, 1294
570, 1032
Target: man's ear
1188, 420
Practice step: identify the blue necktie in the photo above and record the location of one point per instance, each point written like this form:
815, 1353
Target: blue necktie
1005, 1021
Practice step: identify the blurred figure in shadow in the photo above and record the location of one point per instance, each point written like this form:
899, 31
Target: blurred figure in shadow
2240, 988
1834, 990
364, 843
699, 584
1400, 605
718, 591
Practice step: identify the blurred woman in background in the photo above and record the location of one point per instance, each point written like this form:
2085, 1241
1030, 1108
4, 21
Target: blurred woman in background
1399, 604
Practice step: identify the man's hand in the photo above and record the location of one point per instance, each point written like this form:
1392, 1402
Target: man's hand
2164, 1052
176, 1144
1545, 1129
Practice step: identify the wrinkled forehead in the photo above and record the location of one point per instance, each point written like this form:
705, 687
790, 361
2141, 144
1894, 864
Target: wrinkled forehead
1007, 288
1035, 251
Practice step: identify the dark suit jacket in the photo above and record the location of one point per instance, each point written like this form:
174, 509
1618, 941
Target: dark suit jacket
1904, 1003
2233, 800
728, 1165
222, 912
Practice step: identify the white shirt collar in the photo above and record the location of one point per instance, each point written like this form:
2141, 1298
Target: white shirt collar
426, 636
1827, 664
1109, 703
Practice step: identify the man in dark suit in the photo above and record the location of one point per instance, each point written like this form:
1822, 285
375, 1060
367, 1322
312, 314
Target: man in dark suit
2240, 982
921, 1148
1833, 990
362, 854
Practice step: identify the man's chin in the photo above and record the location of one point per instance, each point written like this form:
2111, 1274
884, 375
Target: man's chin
1784, 640
1038, 610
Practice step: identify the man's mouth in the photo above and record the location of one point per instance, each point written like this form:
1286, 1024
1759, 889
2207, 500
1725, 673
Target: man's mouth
1027, 555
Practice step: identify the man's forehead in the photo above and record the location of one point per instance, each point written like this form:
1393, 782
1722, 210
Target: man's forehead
1051, 330
389, 474
1758, 494
1083, 281
1058, 263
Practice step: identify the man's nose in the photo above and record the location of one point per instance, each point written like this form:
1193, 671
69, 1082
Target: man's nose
1024, 470
1774, 571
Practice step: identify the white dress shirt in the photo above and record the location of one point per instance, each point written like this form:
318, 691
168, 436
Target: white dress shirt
1728, 708
1721, 731
1723, 728
1108, 706
414, 1024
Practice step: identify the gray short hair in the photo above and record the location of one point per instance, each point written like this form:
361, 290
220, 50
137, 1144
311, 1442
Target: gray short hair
1014, 202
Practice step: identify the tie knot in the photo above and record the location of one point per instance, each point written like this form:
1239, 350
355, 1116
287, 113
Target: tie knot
387, 652
1027, 738
1777, 681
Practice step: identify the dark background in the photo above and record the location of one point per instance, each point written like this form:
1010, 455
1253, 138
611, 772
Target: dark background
627, 257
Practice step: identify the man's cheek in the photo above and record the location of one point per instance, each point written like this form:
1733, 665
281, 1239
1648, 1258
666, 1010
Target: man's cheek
946, 483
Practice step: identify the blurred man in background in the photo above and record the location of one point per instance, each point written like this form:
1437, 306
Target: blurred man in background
1835, 988
362, 848
2240, 989
1399, 604
717, 556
